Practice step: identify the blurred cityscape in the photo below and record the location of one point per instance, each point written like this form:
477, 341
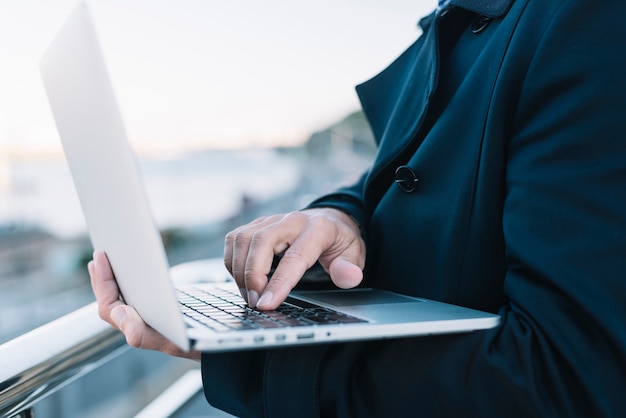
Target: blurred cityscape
43, 263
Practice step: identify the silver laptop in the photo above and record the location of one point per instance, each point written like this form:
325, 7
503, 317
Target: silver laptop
208, 317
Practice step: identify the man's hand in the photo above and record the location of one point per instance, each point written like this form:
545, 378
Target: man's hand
123, 317
325, 235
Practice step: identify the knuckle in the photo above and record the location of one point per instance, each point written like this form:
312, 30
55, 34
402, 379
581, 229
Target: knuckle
296, 257
229, 239
241, 239
103, 313
293, 216
258, 238
294, 254
228, 263
318, 222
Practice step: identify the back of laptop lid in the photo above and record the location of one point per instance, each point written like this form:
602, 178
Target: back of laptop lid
106, 175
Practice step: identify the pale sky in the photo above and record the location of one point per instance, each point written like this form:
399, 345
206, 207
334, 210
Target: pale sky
207, 73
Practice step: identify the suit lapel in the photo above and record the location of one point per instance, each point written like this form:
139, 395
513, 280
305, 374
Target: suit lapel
396, 100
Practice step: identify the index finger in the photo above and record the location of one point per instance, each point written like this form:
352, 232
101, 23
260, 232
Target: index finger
295, 261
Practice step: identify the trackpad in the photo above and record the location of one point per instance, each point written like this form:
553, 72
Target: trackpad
356, 297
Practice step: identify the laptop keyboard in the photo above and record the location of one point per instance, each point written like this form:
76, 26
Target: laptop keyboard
223, 310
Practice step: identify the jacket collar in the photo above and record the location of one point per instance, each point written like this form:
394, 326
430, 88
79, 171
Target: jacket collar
489, 8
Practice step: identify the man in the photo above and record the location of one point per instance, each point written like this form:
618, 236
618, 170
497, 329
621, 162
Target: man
500, 184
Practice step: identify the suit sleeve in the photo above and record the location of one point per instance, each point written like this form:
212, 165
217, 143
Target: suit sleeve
561, 347
349, 200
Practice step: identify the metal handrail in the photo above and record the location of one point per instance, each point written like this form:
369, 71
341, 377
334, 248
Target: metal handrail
43, 361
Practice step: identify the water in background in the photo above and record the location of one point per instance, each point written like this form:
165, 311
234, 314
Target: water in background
43, 243
183, 191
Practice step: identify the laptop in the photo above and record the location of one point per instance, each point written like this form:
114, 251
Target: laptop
206, 317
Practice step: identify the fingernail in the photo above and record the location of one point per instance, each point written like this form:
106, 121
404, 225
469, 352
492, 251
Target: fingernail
118, 315
253, 298
266, 299
244, 293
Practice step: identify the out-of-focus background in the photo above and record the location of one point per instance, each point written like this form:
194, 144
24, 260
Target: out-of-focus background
235, 109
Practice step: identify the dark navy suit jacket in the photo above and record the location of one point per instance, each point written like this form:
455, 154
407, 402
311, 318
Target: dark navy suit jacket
512, 115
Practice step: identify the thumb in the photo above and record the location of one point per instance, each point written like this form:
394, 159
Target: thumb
118, 316
344, 273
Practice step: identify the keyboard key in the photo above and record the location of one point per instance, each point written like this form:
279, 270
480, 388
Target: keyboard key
225, 310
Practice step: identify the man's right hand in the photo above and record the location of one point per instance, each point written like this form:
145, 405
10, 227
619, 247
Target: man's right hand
302, 238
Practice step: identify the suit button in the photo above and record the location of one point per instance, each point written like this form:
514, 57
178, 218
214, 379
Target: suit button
406, 179
480, 23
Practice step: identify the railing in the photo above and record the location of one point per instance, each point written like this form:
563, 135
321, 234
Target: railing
43, 361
